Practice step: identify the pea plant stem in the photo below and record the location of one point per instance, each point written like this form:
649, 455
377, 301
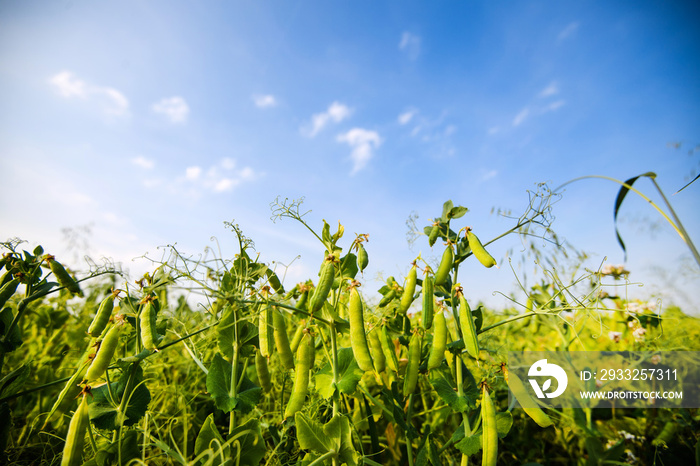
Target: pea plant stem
409, 443
234, 371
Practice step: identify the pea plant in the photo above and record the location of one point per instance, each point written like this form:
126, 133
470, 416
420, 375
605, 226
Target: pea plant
252, 372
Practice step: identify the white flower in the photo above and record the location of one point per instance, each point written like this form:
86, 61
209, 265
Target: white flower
615, 336
639, 334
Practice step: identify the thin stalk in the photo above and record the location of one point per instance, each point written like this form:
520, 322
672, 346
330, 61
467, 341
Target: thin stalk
409, 443
336, 375
460, 393
321, 459
678, 222
509, 320
233, 391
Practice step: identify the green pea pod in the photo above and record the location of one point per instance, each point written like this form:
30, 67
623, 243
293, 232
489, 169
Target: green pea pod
303, 299
265, 332
104, 312
445, 266
478, 249
147, 324
104, 354
414, 353
375, 346
528, 404
389, 351
358, 338
667, 434
325, 283
282, 340
298, 333
409, 289
489, 436
434, 231
75, 439
362, 257
301, 377
8, 290
437, 352
466, 321
63, 277
263, 372
70, 391
387, 298
428, 302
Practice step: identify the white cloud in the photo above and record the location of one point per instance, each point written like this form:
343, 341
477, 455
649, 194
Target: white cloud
228, 163
68, 85
224, 184
264, 101
555, 105
112, 101
450, 130
494, 130
520, 117
363, 142
552, 89
173, 108
336, 113
568, 31
407, 116
192, 173
410, 44
143, 162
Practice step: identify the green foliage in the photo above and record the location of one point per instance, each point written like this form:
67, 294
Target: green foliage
196, 399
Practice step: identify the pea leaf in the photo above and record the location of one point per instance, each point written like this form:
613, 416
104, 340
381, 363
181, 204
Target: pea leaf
444, 385
446, 208
350, 375
208, 437
457, 212
219, 384
504, 421
338, 429
14, 381
110, 455
618, 203
311, 435
249, 440
469, 445
104, 412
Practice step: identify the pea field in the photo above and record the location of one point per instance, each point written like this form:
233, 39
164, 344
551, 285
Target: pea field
209, 360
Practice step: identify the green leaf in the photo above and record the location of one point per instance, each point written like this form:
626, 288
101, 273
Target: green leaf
326, 235
446, 208
14, 340
219, 384
444, 385
209, 438
348, 370
249, 441
129, 446
504, 421
694, 180
457, 212
618, 203
338, 429
14, 381
469, 445
105, 414
311, 435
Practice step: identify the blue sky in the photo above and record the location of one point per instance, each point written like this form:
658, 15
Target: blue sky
154, 122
